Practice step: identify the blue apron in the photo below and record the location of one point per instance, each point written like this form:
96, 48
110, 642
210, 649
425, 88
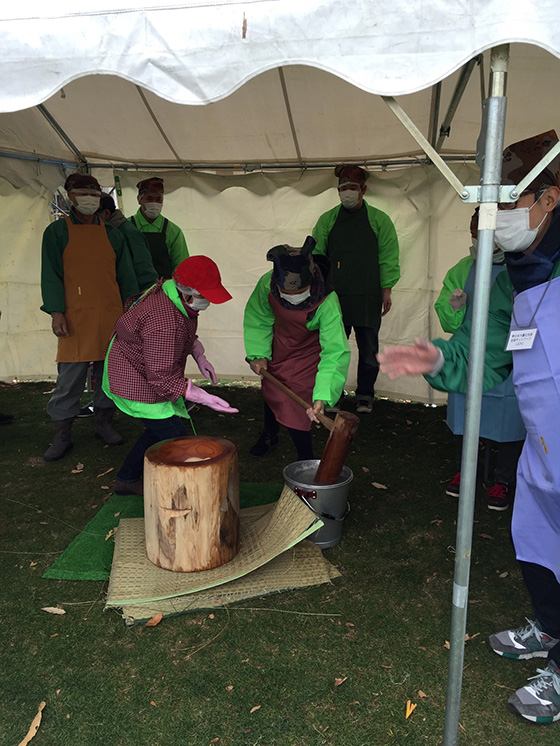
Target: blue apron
500, 419
536, 375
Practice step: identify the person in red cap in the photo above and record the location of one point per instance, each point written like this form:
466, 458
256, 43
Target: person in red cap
166, 241
145, 363
86, 275
362, 245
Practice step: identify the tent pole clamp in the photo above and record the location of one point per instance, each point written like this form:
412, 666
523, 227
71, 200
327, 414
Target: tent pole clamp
506, 193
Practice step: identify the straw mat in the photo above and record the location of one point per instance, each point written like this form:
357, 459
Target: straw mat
299, 567
134, 579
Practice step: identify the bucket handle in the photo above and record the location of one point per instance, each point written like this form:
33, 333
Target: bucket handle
303, 494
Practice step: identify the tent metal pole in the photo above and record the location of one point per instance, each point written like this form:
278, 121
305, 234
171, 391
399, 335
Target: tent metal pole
289, 112
82, 161
434, 112
464, 78
434, 156
491, 146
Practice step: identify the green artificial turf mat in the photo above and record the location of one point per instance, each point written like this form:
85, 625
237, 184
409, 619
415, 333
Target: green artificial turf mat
90, 554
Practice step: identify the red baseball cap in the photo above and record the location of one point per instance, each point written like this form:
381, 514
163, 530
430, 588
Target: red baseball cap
202, 273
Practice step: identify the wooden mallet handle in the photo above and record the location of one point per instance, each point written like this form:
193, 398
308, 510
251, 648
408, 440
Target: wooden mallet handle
323, 419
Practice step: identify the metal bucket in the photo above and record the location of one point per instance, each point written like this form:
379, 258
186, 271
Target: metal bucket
328, 501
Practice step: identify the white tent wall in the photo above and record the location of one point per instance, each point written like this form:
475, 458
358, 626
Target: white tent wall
235, 220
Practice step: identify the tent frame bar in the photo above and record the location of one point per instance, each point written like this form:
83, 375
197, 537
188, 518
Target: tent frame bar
460, 88
82, 160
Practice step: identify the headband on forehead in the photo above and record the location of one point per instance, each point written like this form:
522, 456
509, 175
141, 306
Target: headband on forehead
521, 157
153, 184
349, 173
81, 181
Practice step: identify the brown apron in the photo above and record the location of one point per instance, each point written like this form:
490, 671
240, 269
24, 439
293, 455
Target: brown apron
93, 299
296, 352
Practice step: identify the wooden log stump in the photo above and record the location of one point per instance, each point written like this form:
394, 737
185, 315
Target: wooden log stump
191, 503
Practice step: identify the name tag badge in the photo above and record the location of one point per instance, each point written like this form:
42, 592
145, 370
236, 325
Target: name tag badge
521, 339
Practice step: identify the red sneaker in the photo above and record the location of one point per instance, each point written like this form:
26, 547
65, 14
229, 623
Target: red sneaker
498, 497
454, 485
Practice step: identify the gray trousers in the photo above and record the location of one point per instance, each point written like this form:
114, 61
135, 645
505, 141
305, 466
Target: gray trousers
70, 383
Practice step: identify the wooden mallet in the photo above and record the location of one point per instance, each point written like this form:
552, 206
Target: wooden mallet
342, 431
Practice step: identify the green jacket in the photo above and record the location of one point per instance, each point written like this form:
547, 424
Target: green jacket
498, 363
55, 240
382, 226
140, 255
258, 328
449, 319
174, 237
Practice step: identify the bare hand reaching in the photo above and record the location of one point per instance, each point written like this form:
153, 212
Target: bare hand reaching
410, 360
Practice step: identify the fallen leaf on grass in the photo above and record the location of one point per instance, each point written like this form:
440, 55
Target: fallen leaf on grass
53, 610
34, 727
79, 468
386, 667
55, 634
153, 703
214, 740
349, 624
378, 486
410, 707
422, 694
155, 620
229, 688
338, 682
105, 472
486, 536
111, 533
447, 645
32, 564
117, 514
503, 574
365, 469
255, 708
511, 688
471, 637
105, 487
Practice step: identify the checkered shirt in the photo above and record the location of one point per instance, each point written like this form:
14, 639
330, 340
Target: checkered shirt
149, 353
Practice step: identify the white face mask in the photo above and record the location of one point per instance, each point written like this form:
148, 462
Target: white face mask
199, 304
349, 198
497, 256
87, 204
152, 209
296, 298
512, 229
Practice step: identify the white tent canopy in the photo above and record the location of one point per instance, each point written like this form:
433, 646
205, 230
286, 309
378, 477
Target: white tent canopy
242, 106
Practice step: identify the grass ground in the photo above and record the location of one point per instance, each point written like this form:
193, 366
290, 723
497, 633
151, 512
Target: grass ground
193, 680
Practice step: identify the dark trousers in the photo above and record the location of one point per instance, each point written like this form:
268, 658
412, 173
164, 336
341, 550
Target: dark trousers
64, 404
507, 456
544, 590
367, 340
300, 438
156, 430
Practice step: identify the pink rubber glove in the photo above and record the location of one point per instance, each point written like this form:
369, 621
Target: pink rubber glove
200, 396
205, 367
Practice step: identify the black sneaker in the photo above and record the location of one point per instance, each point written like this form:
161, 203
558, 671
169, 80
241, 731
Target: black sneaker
453, 487
86, 411
498, 497
265, 443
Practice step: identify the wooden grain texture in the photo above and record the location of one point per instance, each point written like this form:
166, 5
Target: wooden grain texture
191, 503
336, 448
